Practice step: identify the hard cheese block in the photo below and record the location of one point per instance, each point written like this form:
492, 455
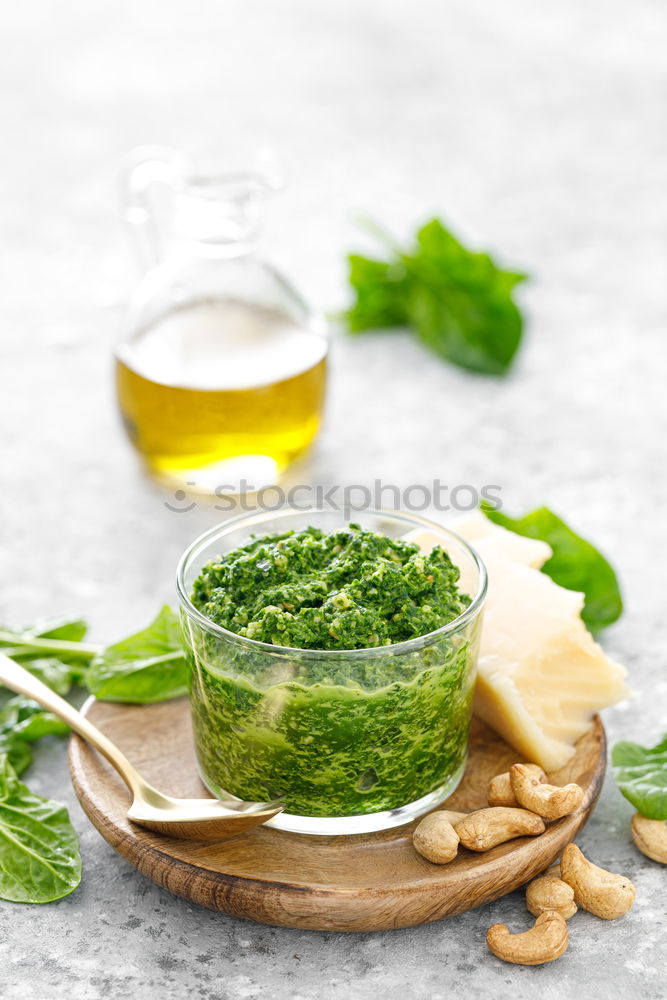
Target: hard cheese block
541, 675
495, 542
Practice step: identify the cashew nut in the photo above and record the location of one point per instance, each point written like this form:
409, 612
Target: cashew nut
550, 801
500, 789
435, 839
453, 816
544, 942
596, 890
548, 894
486, 828
650, 837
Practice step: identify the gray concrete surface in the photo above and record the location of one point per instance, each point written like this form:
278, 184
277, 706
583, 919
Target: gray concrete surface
538, 129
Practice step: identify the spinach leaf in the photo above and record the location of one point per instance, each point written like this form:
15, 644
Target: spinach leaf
575, 564
23, 721
18, 752
70, 629
382, 294
56, 639
146, 667
54, 673
26, 720
458, 302
39, 848
641, 775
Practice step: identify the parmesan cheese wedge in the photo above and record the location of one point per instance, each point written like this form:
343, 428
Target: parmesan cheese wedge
498, 543
541, 675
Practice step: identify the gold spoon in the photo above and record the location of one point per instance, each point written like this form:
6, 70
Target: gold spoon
193, 819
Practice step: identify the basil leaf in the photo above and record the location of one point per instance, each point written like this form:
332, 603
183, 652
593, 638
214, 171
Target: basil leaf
641, 775
575, 564
458, 302
146, 667
39, 848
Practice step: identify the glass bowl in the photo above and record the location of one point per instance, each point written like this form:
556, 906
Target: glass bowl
352, 740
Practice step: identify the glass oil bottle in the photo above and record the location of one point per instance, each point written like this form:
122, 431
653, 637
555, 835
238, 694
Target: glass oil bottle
221, 372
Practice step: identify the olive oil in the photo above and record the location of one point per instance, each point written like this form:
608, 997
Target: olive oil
220, 390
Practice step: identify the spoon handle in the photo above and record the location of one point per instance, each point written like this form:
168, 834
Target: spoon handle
18, 679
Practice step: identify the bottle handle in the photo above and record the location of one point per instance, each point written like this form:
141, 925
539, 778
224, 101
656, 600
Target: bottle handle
148, 177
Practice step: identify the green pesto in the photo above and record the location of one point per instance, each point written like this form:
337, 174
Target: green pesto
350, 589
333, 736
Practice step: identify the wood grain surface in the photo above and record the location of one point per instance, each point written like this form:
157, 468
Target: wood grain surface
358, 883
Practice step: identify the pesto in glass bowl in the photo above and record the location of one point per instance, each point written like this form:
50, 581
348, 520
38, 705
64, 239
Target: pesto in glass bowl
332, 665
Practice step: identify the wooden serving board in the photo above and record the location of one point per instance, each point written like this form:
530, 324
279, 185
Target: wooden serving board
357, 883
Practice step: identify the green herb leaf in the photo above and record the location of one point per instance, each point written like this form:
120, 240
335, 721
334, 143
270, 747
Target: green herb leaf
39, 848
458, 302
21, 718
70, 629
575, 564
382, 294
641, 775
59, 639
23, 721
18, 752
146, 667
54, 673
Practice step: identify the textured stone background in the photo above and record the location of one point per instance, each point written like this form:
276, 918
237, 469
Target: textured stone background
536, 129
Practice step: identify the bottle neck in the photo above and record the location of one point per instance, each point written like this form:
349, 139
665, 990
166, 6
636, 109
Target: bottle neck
219, 220
172, 212
184, 246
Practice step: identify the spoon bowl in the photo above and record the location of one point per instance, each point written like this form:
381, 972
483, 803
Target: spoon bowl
191, 819
197, 819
